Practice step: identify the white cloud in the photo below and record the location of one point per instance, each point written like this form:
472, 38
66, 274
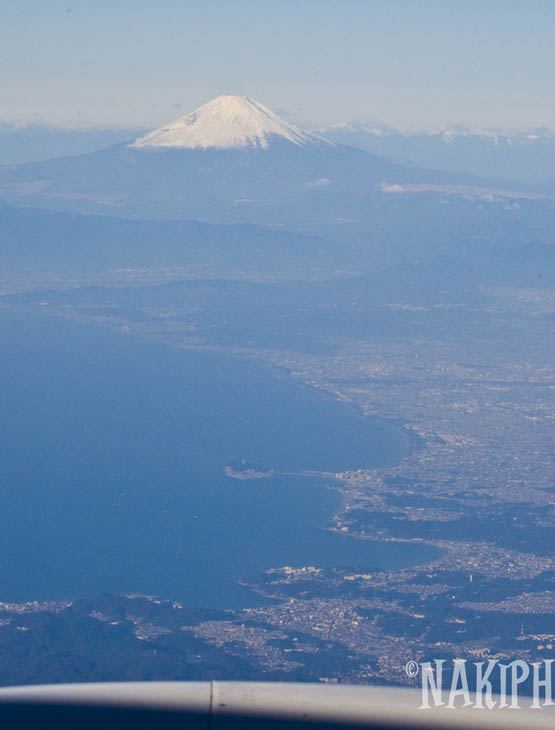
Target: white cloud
392, 188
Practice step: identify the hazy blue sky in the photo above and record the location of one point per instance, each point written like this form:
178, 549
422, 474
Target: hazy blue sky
409, 63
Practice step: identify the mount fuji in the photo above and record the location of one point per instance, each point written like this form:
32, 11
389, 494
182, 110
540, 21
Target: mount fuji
228, 122
316, 205
232, 160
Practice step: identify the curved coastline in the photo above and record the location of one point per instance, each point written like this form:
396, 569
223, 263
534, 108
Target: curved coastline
108, 511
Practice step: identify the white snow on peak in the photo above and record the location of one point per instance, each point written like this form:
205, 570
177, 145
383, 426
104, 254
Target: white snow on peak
228, 122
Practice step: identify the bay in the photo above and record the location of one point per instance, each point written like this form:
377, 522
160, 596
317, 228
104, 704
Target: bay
112, 453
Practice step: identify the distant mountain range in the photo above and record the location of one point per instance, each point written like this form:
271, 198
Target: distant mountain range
232, 160
283, 199
526, 157
517, 157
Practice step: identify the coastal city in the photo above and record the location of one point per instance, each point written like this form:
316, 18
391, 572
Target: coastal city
477, 411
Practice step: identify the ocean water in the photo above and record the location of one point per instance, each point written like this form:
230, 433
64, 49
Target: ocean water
112, 452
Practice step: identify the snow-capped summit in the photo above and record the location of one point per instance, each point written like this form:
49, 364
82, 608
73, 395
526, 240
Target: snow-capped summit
228, 122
